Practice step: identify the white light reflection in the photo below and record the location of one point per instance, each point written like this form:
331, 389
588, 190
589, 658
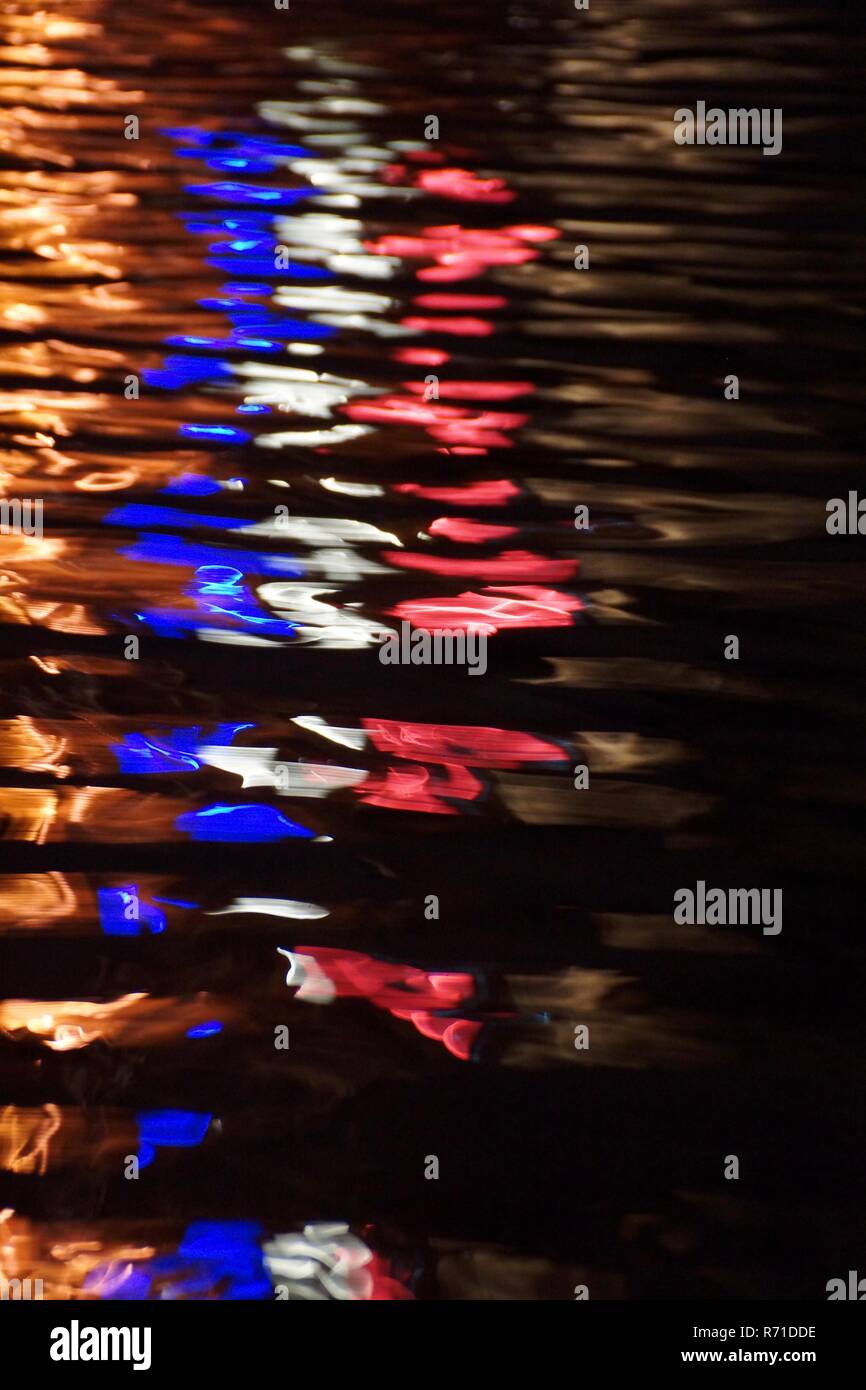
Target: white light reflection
257, 767
274, 907
326, 1263
349, 738
319, 621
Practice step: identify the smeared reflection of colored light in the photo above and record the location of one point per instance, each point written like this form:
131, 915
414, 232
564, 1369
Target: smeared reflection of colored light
138, 754
237, 339
493, 419
220, 434
460, 1036
205, 1030
328, 1262
191, 485
528, 232
233, 1245
455, 424
196, 135
215, 1259
251, 193
420, 789
467, 532
463, 265
124, 1281
385, 1289
214, 223
399, 989
172, 750
251, 823
462, 449
387, 983
521, 606
176, 1129
457, 253
421, 357
429, 1026
478, 746
219, 592
511, 564
461, 433
197, 340
464, 185
260, 344
178, 372
493, 493
255, 256
447, 182
474, 390
260, 263
251, 166
136, 514
160, 548
218, 579
403, 410
122, 912
461, 327
460, 301
400, 246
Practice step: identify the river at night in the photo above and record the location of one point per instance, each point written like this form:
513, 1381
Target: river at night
362, 979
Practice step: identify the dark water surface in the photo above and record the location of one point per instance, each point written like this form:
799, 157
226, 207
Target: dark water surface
286, 487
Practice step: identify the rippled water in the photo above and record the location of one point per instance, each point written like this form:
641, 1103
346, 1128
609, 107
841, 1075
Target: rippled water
255, 470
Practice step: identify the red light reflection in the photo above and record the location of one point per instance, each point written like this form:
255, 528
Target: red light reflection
467, 532
476, 745
421, 789
511, 564
393, 987
523, 605
493, 493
